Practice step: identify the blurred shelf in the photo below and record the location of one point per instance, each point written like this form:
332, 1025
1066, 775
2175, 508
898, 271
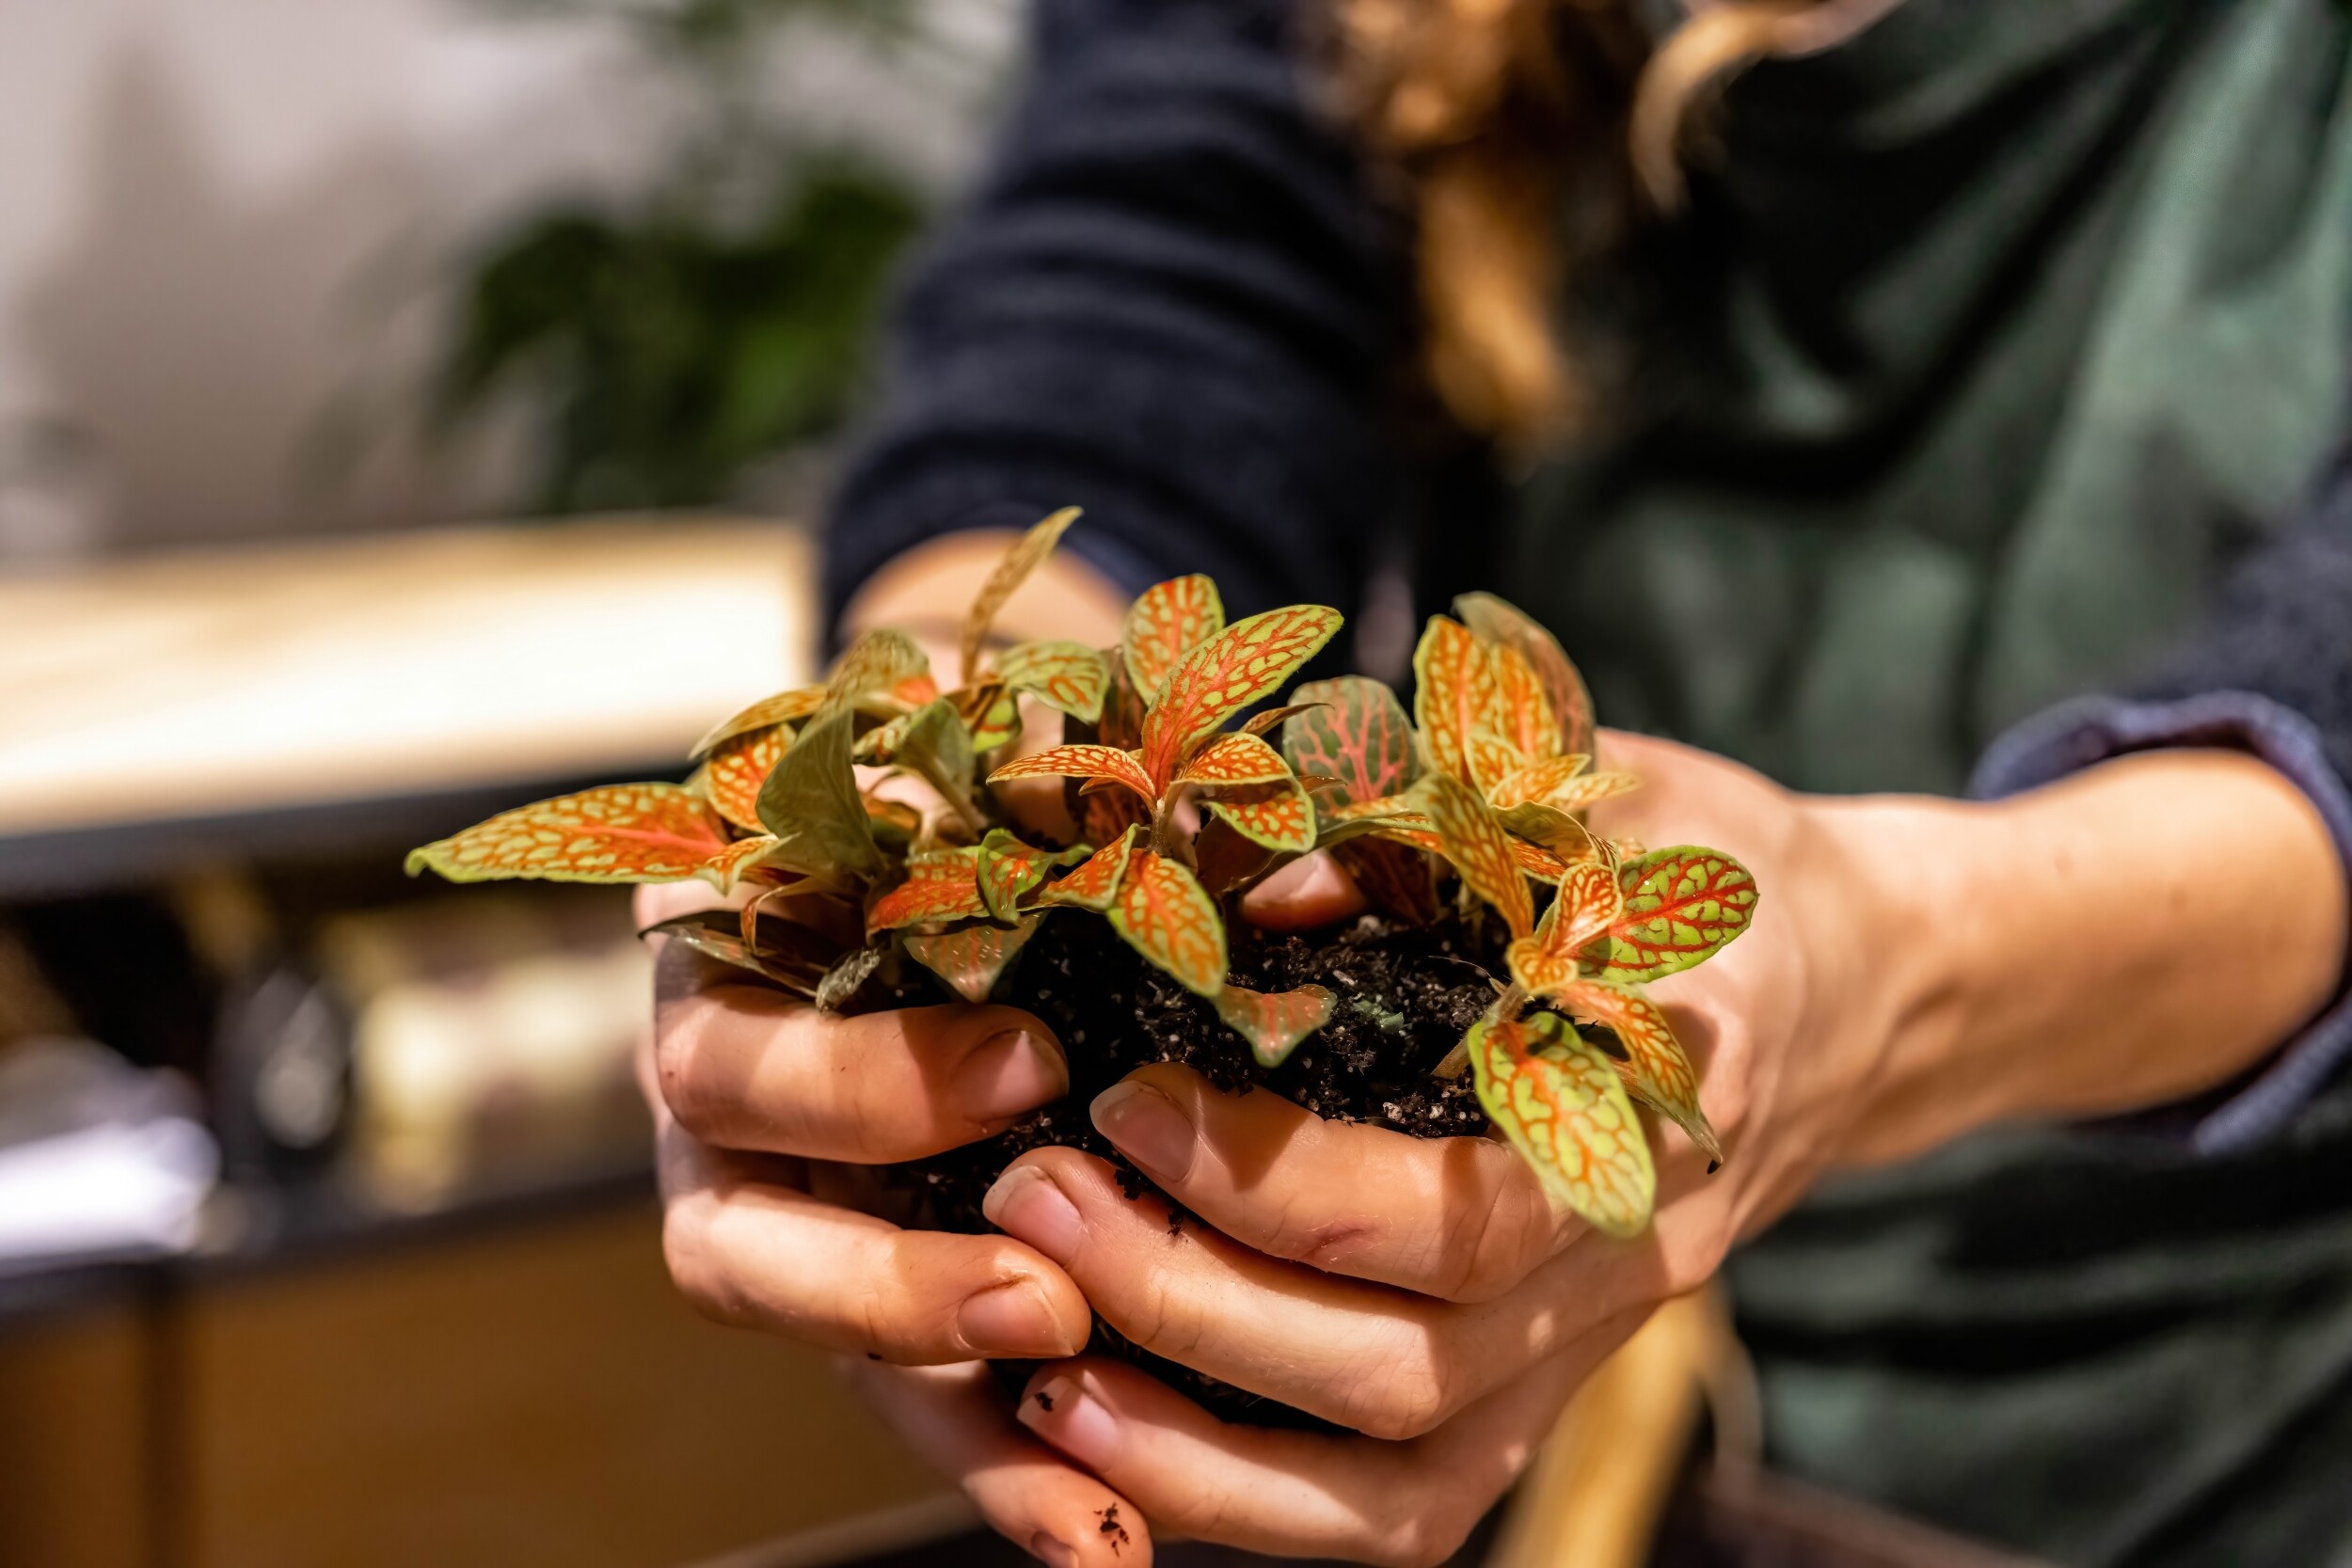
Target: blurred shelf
233, 703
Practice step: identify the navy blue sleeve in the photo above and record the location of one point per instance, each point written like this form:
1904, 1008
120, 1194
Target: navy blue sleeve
2271, 674
1173, 302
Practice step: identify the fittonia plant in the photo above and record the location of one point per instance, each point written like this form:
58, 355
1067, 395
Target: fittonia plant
1175, 811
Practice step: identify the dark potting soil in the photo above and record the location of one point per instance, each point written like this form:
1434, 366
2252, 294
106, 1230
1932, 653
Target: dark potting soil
1405, 997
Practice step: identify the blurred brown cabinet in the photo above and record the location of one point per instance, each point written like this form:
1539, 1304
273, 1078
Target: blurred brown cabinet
525, 1395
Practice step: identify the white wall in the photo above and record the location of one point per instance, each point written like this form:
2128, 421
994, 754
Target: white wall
225, 224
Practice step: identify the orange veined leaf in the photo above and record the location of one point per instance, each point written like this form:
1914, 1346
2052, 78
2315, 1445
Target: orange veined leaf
1481, 852
1681, 906
878, 746
879, 660
1279, 816
1546, 866
1080, 761
1559, 1100
1536, 781
973, 960
1275, 1021
632, 833
942, 885
1009, 868
1165, 622
1589, 789
989, 711
1453, 689
738, 768
1249, 659
1587, 902
727, 867
1010, 572
1656, 1069
1235, 759
1498, 620
1521, 714
1069, 677
1356, 732
1266, 719
784, 707
1167, 917
1492, 758
892, 822
1094, 883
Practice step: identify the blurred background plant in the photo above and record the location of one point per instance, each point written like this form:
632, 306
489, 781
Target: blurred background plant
665, 349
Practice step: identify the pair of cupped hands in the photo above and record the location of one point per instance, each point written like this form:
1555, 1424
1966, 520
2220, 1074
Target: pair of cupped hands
1420, 1293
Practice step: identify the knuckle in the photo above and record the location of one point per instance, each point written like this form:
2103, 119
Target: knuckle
687, 1253
1497, 1245
1411, 1397
1430, 1537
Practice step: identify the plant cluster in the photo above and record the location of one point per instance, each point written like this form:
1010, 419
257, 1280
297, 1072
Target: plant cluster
1473, 805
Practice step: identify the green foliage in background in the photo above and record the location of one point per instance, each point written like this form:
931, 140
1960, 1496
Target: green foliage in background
663, 351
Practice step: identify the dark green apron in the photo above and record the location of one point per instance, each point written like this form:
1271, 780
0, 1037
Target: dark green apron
1993, 340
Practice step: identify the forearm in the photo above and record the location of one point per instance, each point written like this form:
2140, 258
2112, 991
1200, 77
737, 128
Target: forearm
2132, 935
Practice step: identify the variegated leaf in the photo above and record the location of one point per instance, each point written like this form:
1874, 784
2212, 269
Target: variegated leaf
1167, 622
1235, 759
1009, 868
727, 867
1544, 865
1358, 734
1094, 884
1589, 789
738, 768
1559, 1100
1080, 761
1167, 917
1681, 906
1069, 677
1521, 714
990, 712
1491, 758
811, 802
1266, 719
1277, 815
1275, 1021
784, 707
1498, 620
1249, 659
1587, 904
635, 832
937, 749
878, 746
892, 823
1454, 689
972, 960
1480, 850
879, 660
1567, 839
1536, 781
1656, 1069
942, 884
1010, 572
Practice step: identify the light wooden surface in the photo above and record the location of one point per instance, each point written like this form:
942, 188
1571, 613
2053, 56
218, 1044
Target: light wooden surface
234, 681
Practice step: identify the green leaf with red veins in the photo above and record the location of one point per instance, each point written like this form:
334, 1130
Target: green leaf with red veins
1656, 1070
635, 832
1498, 620
1536, 781
738, 768
725, 868
1235, 759
972, 960
1558, 1099
942, 884
1094, 885
1167, 917
990, 712
1567, 839
1521, 714
1359, 736
784, 707
1277, 815
1588, 903
815, 809
1454, 689
1167, 622
1482, 853
1009, 868
1028, 553
1080, 761
1068, 677
876, 662
1275, 1021
1366, 818
1249, 660
1681, 906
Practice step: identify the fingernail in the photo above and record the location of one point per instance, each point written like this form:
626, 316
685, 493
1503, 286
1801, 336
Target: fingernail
1149, 1127
1012, 1319
1008, 1074
1047, 1550
1075, 1421
1026, 1205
